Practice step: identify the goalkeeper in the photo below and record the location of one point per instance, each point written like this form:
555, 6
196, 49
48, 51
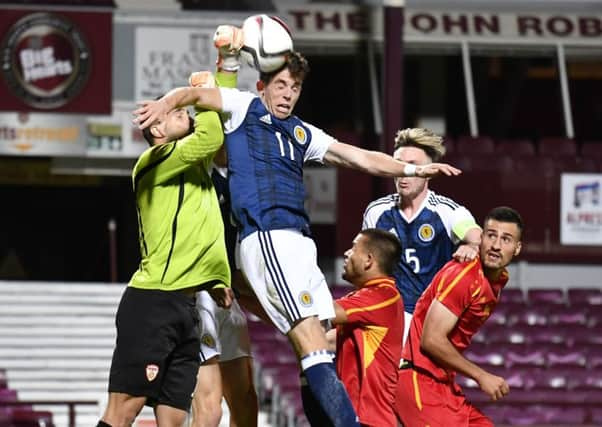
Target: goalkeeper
181, 235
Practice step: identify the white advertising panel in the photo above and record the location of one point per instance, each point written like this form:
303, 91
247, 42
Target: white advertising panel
165, 58
581, 209
41, 134
341, 22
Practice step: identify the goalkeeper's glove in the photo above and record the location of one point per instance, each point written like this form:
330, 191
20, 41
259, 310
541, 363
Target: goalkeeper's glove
204, 79
228, 40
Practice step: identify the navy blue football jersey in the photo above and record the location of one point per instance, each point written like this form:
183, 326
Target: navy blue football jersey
265, 164
428, 239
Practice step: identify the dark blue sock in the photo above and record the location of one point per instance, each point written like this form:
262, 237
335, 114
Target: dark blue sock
328, 390
312, 408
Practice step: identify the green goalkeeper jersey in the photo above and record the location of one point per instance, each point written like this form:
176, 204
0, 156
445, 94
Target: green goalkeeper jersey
179, 222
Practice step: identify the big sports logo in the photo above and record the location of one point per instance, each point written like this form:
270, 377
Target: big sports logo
45, 60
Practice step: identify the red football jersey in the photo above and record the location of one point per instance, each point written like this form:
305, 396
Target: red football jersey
466, 292
368, 349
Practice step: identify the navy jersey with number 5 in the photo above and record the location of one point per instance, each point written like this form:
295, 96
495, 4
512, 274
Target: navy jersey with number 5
428, 239
265, 164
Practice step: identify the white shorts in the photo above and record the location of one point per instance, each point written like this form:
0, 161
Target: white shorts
281, 266
224, 332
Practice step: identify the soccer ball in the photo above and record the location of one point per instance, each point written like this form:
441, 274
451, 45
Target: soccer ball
267, 41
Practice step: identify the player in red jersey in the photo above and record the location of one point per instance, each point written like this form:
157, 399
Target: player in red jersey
370, 327
451, 310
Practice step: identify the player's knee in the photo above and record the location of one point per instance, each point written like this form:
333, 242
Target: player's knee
208, 415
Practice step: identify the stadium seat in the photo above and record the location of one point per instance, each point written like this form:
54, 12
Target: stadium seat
546, 296
591, 296
512, 295
496, 412
596, 416
568, 316
561, 356
8, 395
530, 315
557, 147
30, 418
5, 420
3, 381
515, 147
594, 319
564, 415
450, 145
484, 356
584, 336
518, 415
502, 334
551, 334
459, 160
499, 316
594, 357
576, 164
583, 379
524, 357
475, 145
592, 149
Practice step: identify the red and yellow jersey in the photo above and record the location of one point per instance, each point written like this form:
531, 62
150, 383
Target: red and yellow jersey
368, 349
466, 292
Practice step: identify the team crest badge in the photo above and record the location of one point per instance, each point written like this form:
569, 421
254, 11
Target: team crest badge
208, 340
300, 135
151, 372
306, 299
426, 232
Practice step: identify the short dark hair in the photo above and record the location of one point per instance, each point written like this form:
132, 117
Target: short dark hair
505, 214
386, 247
296, 64
148, 136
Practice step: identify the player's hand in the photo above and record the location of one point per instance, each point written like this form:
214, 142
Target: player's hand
223, 297
495, 387
466, 252
228, 40
204, 79
434, 169
148, 112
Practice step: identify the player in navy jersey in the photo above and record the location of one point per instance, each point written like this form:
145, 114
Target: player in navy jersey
432, 228
267, 146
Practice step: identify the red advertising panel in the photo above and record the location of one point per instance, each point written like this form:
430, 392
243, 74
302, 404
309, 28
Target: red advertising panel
56, 61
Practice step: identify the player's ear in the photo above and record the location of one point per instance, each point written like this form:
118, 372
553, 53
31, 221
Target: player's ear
156, 131
519, 246
369, 261
260, 85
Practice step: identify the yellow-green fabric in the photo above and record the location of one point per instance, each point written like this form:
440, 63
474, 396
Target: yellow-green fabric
180, 226
460, 228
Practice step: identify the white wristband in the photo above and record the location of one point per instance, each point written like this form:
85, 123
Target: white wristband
409, 170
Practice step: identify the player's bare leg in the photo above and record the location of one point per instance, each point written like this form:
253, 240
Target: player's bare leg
168, 416
122, 409
239, 391
207, 398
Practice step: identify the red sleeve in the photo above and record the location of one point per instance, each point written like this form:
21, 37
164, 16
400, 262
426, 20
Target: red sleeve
455, 287
369, 305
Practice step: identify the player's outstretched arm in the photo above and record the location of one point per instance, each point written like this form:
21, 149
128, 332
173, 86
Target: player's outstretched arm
149, 111
381, 164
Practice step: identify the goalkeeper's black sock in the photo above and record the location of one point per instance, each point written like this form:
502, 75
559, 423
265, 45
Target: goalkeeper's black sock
101, 423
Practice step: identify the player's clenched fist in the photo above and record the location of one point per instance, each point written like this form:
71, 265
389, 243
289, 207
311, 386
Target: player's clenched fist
228, 40
494, 386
